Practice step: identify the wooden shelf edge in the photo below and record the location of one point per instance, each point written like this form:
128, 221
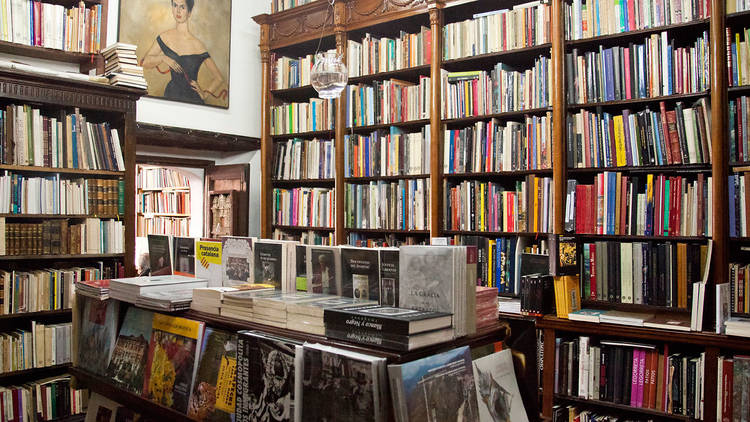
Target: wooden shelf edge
61, 216
508, 173
387, 231
303, 228
34, 372
37, 169
637, 101
635, 33
32, 315
671, 168
621, 407
498, 54
355, 180
53, 257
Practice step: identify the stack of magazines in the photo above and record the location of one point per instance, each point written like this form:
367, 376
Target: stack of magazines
121, 66
177, 300
98, 289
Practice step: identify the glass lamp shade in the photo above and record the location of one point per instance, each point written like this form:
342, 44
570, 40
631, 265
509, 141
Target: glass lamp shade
328, 75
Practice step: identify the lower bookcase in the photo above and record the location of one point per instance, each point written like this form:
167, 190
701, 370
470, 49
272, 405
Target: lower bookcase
106, 386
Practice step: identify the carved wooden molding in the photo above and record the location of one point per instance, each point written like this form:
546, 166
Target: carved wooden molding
300, 25
362, 9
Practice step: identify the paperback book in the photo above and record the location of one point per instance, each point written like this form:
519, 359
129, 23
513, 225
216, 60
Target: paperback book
208, 262
236, 260
360, 273
184, 256
389, 276
97, 335
126, 368
324, 270
160, 254
213, 396
498, 396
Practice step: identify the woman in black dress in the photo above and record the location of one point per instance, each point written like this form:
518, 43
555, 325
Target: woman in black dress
179, 52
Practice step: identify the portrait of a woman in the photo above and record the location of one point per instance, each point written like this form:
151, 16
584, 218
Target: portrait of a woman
179, 48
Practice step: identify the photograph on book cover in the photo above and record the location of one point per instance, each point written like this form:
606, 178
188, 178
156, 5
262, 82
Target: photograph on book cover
183, 46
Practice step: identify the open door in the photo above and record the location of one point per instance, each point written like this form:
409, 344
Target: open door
226, 204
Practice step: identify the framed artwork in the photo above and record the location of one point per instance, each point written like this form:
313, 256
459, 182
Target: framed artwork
183, 46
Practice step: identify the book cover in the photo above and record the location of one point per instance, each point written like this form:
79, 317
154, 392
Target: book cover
265, 378
184, 256
160, 254
360, 273
301, 268
498, 396
389, 276
426, 278
436, 388
269, 262
386, 319
126, 368
213, 396
208, 262
170, 365
236, 260
324, 270
97, 335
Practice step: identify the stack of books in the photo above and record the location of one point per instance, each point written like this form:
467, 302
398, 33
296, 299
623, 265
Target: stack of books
239, 304
208, 300
170, 301
130, 289
272, 309
738, 327
97, 289
122, 67
486, 306
308, 316
388, 327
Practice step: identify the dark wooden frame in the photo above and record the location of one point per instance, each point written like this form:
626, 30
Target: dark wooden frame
174, 137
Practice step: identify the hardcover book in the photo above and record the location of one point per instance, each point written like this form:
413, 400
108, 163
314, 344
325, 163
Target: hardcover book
269, 263
171, 361
265, 378
360, 273
324, 270
236, 260
126, 368
208, 262
386, 319
436, 388
389, 276
160, 254
97, 335
184, 256
213, 396
498, 396
355, 380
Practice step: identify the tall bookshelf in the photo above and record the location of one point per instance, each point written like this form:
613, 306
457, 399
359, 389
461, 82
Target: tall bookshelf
350, 19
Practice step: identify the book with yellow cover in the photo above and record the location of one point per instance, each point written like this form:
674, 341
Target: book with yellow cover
171, 362
567, 295
213, 395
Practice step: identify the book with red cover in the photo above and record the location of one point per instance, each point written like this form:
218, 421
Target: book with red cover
727, 393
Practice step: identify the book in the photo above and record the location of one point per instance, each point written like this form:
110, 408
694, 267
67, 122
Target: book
266, 370
387, 340
723, 306
236, 260
213, 393
324, 270
439, 387
587, 315
625, 318
129, 289
360, 273
386, 319
128, 362
171, 361
275, 264
160, 254
184, 256
389, 271
668, 322
498, 396
97, 335
208, 262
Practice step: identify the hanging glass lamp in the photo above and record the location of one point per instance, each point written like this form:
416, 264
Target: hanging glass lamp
329, 75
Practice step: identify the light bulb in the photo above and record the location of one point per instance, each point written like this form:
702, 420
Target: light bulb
328, 75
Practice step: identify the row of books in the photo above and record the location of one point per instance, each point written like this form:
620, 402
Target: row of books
312, 207
654, 68
637, 375
401, 205
46, 399
163, 202
49, 289
738, 57
617, 204
739, 280
490, 206
287, 72
503, 89
663, 137
68, 141
42, 347
382, 54
594, 18
367, 240
106, 196
153, 178
61, 237
176, 226
281, 5
490, 146
309, 237
739, 138
525, 25
386, 102
21, 194
314, 115
304, 159
36, 23
647, 273
733, 387
387, 153
739, 205
734, 6
575, 413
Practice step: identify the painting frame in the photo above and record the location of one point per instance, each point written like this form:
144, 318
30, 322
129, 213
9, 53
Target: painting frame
159, 18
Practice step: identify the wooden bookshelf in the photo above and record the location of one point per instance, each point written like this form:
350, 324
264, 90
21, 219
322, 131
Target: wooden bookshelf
670, 169
694, 25
59, 216
314, 134
61, 257
386, 178
630, 410
389, 231
304, 228
411, 74
411, 124
32, 373
497, 174
57, 170
504, 116
36, 315
640, 101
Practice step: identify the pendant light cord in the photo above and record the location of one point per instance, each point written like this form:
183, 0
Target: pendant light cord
322, 30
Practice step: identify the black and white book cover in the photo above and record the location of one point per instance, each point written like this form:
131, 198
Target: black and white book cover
386, 319
498, 396
350, 380
389, 276
360, 273
184, 256
265, 378
435, 389
160, 254
236, 260
324, 270
269, 263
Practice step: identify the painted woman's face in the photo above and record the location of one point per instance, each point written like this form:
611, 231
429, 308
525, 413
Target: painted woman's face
180, 11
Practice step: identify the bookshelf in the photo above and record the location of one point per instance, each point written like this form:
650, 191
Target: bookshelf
163, 201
